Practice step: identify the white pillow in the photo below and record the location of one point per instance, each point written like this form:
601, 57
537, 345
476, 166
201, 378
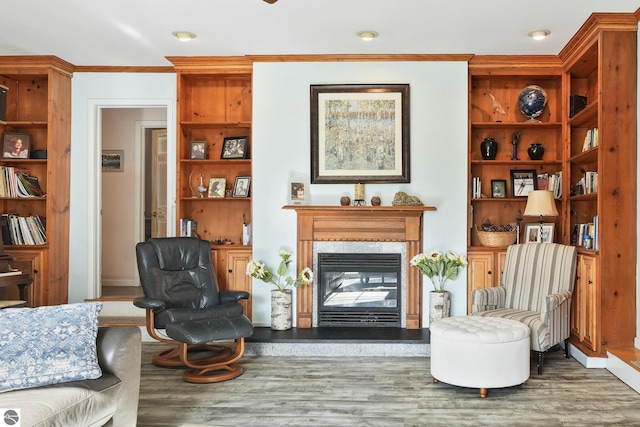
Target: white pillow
48, 345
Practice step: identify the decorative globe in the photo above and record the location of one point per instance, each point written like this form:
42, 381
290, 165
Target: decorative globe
531, 101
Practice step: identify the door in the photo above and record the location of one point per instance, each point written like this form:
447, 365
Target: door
159, 183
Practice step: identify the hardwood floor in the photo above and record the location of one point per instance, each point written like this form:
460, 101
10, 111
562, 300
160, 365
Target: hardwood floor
385, 391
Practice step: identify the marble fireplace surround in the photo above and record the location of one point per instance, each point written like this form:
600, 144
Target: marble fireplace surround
361, 224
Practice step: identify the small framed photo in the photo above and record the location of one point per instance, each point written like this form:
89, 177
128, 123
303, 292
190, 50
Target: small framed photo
112, 160
241, 187
235, 147
15, 145
523, 181
217, 187
297, 192
498, 188
198, 150
533, 233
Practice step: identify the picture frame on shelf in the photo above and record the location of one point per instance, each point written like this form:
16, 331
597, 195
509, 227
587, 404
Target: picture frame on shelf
296, 192
234, 147
523, 181
241, 186
533, 234
198, 150
16, 145
112, 160
498, 188
217, 188
375, 115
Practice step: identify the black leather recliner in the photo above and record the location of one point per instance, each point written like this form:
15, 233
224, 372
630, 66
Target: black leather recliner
182, 298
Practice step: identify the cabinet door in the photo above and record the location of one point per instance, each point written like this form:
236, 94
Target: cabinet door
587, 268
584, 308
31, 261
480, 273
237, 279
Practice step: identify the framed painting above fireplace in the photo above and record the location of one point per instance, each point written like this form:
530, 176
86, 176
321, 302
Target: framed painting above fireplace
359, 133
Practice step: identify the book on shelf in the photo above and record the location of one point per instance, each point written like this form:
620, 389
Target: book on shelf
188, 228
246, 234
590, 139
476, 188
543, 181
22, 230
15, 182
555, 184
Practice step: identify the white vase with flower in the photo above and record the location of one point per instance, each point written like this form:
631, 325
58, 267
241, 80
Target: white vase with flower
281, 297
439, 269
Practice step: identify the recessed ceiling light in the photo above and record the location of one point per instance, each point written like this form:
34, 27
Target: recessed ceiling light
367, 35
539, 34
184, 36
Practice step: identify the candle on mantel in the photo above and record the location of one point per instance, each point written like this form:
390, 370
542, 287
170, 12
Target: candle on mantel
358, 193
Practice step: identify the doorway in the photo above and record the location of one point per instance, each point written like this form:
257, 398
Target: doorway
133, 197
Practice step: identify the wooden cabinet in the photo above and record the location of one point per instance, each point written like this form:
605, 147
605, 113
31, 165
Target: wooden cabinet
214, 105
600, 65
485, 270
231, 267
584, 304
38, 105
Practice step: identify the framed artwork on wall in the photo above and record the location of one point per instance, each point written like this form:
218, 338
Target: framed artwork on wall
112, 160
359, 133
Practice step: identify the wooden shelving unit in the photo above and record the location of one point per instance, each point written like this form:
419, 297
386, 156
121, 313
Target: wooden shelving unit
599, 63
214, 103
39, 104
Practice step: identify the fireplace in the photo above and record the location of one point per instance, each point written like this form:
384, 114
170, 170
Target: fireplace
359, 289
390, 229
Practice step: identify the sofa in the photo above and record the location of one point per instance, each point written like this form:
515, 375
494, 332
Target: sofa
109, 400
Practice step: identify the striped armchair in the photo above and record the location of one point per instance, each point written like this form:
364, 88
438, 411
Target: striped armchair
537, 284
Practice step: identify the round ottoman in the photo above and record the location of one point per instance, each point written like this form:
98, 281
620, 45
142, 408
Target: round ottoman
479, 352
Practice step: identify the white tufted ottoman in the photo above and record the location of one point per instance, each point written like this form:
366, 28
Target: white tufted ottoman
479, 352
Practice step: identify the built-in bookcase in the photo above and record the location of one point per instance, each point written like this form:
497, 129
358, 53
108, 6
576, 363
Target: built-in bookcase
38, 110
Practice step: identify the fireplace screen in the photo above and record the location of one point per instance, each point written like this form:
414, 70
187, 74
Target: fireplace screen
359, 289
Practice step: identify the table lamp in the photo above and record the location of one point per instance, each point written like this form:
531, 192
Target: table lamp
540, 203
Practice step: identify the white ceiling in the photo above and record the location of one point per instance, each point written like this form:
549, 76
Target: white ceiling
138, 32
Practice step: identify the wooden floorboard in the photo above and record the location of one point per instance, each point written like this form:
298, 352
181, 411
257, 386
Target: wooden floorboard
385, 391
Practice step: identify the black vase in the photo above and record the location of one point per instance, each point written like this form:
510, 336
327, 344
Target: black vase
535, 151
489, 148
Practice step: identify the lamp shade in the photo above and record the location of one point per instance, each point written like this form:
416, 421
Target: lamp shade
540, 203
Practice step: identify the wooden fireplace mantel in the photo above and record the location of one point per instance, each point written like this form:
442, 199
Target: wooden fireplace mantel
360, 224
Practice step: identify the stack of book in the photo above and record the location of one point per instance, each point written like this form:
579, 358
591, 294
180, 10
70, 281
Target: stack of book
476, 188
586, 234
555, 184
22, 230
15, 182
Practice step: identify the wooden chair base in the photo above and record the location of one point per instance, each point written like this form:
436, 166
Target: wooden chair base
202, 371
171, 357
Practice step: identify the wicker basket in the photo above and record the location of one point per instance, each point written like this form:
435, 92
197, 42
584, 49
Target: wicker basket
496, 238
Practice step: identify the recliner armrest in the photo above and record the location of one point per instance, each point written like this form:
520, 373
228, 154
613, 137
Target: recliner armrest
149, 303
232, 296
488, 299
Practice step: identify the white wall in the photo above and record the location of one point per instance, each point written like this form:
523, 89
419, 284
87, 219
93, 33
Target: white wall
88, 91
281, 145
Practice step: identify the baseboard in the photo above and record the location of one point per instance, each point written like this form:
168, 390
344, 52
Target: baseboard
587, 361
626, 373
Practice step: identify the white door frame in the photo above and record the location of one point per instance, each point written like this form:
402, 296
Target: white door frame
94, 177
